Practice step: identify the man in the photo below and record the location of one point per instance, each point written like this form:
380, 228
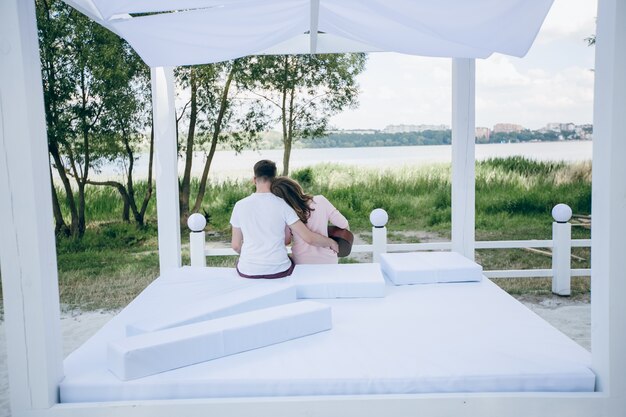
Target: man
258, 229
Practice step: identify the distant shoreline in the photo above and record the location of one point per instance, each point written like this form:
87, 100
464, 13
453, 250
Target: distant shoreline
228, 165
299, 145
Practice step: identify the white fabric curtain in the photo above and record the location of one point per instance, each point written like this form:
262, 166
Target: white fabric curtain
447, 28
185, 32
214, 34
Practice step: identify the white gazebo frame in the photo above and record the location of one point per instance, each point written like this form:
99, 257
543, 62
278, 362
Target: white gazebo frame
29, 269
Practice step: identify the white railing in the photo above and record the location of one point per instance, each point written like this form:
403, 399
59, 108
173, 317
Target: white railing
561, 245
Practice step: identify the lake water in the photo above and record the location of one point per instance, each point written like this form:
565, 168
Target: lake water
229, 165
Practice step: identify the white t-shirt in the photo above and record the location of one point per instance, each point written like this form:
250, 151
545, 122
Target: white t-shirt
262, 218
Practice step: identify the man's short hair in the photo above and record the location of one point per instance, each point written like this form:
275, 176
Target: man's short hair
265, 170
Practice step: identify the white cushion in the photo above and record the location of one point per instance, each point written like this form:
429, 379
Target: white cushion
338, 281
164, 350
429, 267
233, 301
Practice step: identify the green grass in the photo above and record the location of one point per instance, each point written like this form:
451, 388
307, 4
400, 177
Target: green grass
108, 267
514, 196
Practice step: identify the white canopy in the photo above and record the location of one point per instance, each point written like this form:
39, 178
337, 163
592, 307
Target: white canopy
186, 32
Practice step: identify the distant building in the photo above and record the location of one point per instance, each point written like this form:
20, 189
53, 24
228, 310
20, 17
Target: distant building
483, 133
507, 128
559, 127
584, 132
553, 127
413, 128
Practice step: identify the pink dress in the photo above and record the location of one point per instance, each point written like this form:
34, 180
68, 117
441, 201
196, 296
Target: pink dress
324, 212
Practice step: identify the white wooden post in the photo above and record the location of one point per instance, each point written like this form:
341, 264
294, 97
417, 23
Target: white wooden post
197, 239
378, 218
561, 250
463, 155
168, 214
27, 245
608, 203
196, 248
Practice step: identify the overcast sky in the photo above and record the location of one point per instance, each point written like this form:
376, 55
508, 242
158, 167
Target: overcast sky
552, 83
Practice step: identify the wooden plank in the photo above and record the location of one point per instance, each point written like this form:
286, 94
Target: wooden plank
549, 253
608, 203
166, 161
513, 244
463, 155
432, 405
518, 273
27, 245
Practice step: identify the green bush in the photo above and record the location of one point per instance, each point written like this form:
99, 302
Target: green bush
304, 176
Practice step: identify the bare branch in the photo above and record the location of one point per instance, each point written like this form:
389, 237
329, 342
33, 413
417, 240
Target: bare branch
266, 98
182, 113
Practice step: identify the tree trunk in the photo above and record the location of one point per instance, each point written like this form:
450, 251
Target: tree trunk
126, 212
286, 143
140, 218
185, 188
80, 231
283, 109
288, 135
69, 193
286, 156
120, 188
82, 179
130, 188
216, 134
60, 228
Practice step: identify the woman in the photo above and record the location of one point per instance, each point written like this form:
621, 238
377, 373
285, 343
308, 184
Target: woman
315, 212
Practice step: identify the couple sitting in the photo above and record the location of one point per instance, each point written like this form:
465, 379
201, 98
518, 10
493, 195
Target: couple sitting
264, 222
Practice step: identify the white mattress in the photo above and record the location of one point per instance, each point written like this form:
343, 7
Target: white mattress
454, 337
338, 281
429, 267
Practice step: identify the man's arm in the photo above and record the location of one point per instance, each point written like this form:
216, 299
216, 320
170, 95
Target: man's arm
313, 238
236, 240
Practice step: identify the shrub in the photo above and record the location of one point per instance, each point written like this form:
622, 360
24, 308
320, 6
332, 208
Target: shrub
304, 176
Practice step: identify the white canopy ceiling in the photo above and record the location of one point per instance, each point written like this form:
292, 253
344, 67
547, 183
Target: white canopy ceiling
185, 32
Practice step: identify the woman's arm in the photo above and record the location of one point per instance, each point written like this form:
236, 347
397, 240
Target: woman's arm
335, 216
312, 238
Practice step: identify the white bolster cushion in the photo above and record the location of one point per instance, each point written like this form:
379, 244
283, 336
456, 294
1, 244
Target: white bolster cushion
429, 267
338, 280
164, 350
239, 300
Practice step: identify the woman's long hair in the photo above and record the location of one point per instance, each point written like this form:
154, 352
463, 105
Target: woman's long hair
293, 194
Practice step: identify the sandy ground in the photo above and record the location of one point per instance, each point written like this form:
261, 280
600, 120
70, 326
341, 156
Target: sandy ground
76, 327
571, 317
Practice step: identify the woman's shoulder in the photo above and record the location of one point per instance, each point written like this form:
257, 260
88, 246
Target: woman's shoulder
320, 199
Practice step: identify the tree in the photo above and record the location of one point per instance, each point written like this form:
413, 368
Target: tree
217, 113
53, 19
129, 113
306, 90
87, 73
